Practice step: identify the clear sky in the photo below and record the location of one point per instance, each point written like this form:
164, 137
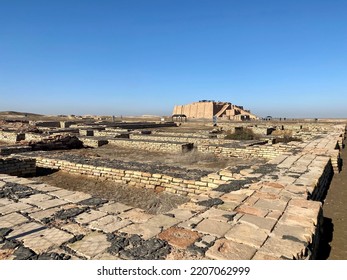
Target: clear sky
134, 57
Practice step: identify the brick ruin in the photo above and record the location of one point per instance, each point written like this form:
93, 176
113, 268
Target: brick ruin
263, 210
207, 109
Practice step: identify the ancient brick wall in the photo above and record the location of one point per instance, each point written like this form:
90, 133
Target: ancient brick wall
176, 185
11, 137
173, 138
17, 166
92, 142
5, 151
263, 151
33, 137
152, 145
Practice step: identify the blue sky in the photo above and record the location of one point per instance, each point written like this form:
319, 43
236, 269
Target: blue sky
132, 57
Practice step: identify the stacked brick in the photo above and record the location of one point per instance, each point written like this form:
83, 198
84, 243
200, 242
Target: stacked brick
263, 151
160, 182
93, 142
17, 166
152, 145
196, 140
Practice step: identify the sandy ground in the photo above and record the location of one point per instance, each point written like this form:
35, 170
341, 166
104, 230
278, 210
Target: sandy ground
148, 200
334, 242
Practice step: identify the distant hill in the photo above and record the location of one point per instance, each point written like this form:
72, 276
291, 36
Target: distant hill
13, 113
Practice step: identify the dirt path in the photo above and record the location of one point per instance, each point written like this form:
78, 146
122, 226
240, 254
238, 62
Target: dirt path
334, 243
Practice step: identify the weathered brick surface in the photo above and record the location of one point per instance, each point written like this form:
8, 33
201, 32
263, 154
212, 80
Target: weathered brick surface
274, 215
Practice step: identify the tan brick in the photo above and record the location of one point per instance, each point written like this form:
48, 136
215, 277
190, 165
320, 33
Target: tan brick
179, 237
201, 184
191, 182
177, 180
219, 182
212, 185
226, 178
229, 250
252, 210
214, 176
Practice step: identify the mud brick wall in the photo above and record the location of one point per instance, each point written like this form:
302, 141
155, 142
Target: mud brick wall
304, 127
262, 151
113, 134
160, 182
86, 132
116, 130
18, 166
33, 137
93, 142
11, 136
323, 182
5, 151
261, 130
172, 138
201, 134
66, 124
45, 123
255, 129
329, 145
174, 147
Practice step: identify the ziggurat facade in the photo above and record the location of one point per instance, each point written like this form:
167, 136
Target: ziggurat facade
207, 109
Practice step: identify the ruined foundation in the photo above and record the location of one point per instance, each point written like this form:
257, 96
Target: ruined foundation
270, 210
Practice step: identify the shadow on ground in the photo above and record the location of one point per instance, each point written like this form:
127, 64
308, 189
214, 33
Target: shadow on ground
40, 171
326, 238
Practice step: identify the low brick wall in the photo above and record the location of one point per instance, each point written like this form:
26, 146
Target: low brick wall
34, 137
11, 136
45, 123
5, 151
93, 142
263, 151
113, 134
86, 132
152, 145
66, 124
18, 166
161, 182
321, 187
201, 134
197, 140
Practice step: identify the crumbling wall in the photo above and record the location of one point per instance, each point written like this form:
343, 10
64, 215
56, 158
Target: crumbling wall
11, 136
